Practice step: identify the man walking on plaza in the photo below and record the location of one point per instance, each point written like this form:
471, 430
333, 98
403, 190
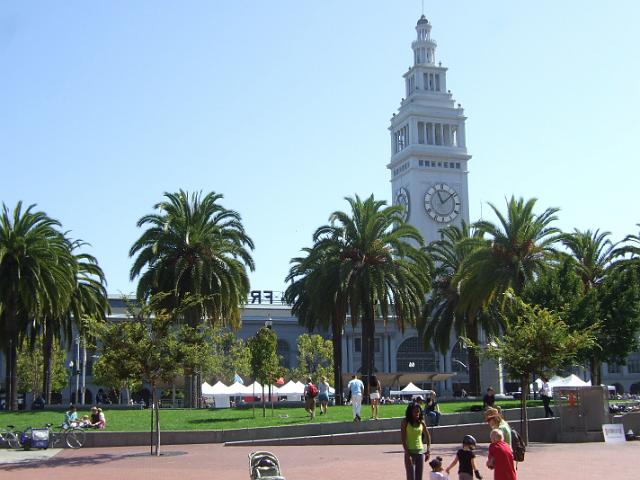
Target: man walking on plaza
356, 387
545, 395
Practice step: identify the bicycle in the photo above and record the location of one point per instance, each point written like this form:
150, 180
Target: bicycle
71, 436
10, 436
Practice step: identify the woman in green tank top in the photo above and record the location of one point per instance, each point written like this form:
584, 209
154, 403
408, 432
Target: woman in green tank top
414, 437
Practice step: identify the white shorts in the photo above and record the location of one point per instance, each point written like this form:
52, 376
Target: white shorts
374, 396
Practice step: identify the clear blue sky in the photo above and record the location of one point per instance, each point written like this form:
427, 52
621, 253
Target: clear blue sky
284, 106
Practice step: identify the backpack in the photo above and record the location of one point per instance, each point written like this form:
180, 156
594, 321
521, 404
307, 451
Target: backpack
517, 446
312, 391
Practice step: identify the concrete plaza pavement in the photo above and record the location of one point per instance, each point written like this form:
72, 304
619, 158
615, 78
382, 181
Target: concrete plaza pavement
584, 461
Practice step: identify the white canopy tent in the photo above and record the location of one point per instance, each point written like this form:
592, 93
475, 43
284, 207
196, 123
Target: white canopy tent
220, 395
237, 390
292, 391
411, 389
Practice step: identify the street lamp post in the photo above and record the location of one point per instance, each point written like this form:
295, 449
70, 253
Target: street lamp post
70, 365
84, 372
77, 372
268, 324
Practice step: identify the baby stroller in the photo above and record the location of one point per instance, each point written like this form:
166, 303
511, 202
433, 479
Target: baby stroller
265, 466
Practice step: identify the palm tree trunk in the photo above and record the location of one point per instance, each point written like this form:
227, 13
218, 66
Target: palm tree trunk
47, 349
12, 354
7, 375
367, 339
474, 359
336, 339
188, 389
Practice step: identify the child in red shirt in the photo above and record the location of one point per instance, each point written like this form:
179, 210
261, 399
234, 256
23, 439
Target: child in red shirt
500, 458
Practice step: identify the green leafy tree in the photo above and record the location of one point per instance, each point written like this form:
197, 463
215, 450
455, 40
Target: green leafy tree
193, 246
382, 271
113, 372
536, 340
31, 367
230, 356
147, 346
315, 357
35, 279
265, 363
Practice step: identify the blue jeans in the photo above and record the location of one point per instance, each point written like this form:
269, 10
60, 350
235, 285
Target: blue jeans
434, 418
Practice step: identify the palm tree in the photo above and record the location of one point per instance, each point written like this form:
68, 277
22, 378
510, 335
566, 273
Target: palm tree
194, 247
317, 300
381, 267
594, 258
519, 247
630, 246
88, 300
443, 312
34, 278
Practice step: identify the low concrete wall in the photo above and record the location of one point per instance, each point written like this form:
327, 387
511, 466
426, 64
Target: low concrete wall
540, 430
332, 429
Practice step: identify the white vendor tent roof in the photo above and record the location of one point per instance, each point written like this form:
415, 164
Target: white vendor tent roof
206, 389
410, 389
219, 389
291, 388
236, 389
570, 381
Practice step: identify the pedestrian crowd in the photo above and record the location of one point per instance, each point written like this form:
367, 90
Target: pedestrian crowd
504, 451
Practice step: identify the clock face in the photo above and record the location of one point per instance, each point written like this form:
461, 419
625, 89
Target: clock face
442, 203
402, 199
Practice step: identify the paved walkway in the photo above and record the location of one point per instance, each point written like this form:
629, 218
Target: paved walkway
185, 462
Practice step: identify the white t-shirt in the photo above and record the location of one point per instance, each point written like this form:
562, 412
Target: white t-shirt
437, 476
356, 386
545, 390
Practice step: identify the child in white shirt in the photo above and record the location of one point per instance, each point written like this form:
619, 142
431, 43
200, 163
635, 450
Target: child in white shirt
437, 472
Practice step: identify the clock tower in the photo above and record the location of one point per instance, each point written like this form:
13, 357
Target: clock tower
428, 149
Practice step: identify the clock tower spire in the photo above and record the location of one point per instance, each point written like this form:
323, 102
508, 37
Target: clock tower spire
428, 147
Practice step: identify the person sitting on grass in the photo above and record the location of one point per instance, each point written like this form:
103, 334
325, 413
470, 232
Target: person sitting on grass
97, 418
70, 417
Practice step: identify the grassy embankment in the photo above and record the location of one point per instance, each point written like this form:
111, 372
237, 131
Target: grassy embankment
224, 419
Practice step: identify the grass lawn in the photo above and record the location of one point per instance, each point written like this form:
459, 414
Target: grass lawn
225, 419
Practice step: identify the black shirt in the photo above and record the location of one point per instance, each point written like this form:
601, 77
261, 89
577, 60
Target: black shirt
489, 400
464, 458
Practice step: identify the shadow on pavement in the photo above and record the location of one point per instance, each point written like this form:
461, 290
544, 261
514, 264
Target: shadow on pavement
81, 461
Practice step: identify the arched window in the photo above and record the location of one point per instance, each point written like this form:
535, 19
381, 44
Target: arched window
412, 357
633, 363
284, 351
460, 359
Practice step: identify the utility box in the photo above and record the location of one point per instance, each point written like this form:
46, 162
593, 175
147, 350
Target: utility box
582, 411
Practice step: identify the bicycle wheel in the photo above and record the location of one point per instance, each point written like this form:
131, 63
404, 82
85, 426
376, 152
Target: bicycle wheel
75, 437
13, 439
